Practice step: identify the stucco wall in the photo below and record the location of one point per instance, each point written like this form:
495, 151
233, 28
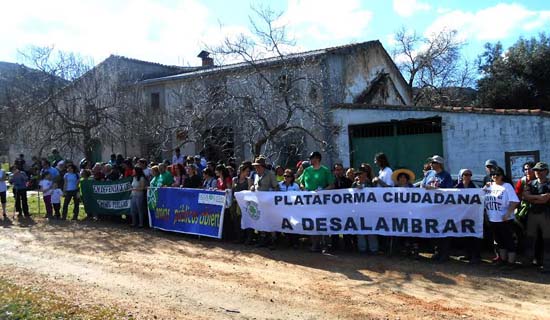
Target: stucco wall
354, 72
100, 86
339, 77
468, 139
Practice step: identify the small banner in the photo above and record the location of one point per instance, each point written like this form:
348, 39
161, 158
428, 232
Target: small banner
383, 211
107, 197
193, 211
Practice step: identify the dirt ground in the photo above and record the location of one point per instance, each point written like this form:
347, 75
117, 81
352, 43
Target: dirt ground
158, 275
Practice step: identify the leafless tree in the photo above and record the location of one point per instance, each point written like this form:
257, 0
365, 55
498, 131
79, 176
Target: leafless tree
21, 91
195, 111
272, 96
434, 67
75, 116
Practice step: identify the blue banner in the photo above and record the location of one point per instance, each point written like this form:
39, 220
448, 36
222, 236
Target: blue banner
193, 211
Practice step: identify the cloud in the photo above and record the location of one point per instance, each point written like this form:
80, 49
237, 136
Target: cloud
493, 23
407, 8
170, 32
326, 19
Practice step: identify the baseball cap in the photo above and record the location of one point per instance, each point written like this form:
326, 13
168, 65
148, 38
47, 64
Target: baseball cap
491, 162
540, 166
437, 159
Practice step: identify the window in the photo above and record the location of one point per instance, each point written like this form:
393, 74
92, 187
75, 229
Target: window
155, 100
283, 83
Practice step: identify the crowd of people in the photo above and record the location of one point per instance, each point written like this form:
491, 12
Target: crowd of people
517, 218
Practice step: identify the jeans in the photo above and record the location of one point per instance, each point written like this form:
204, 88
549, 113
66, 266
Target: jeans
538, 222
56, 208
137, 208
48, 205
503, 235
372, 241
73, 194
21, 204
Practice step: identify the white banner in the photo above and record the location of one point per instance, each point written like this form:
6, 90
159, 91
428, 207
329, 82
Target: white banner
384, 211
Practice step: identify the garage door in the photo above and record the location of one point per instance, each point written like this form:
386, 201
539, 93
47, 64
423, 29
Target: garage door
407, 143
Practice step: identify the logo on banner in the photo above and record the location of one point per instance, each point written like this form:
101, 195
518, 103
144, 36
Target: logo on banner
209, 198
152, 197
253, 210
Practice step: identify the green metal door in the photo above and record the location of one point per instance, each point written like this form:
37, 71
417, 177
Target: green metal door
407, 143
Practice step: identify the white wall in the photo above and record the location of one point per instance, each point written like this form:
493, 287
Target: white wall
468, 138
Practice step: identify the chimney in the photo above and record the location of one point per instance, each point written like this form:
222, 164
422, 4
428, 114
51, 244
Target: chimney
206, 61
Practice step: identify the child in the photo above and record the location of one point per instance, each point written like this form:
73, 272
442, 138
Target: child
56, 200
46, 188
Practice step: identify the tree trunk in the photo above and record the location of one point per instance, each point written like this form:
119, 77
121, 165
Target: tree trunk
88, 144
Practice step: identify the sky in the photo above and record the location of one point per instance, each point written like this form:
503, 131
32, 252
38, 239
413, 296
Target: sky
173, 32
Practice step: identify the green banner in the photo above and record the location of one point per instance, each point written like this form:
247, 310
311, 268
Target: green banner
107, 197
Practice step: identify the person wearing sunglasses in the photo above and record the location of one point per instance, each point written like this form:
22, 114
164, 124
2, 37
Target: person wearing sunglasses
288, 183
490, 165
465, 179
500, 202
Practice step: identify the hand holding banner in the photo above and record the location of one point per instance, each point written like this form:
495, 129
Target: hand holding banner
107, 197
193, 211
383, 211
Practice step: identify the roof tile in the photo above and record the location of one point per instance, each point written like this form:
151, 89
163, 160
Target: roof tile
470, 109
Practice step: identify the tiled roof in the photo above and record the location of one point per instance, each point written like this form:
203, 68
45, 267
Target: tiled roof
263, 62
153, 63
478, 110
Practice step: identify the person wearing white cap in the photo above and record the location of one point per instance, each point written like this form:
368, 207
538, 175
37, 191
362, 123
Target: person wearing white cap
439, 178
465, 179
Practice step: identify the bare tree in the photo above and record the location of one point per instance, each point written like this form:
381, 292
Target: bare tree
195, 111
22, 90
272, 97
434, 67
73, 117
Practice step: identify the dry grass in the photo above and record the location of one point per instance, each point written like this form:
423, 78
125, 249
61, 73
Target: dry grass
18, 302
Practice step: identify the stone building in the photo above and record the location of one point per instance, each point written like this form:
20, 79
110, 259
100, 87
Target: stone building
350, 102
312, 81
152, 108
91, 114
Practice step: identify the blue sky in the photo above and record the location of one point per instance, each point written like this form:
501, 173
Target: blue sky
174, 31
